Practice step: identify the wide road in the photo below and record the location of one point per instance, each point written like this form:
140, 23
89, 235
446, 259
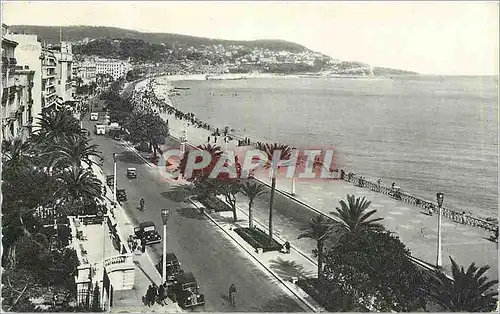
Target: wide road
199, 245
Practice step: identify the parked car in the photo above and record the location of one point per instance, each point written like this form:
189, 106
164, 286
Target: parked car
147, 230
173, 267
110, 180
186, 291
121, 195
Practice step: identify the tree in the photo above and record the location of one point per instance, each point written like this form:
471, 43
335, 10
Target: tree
252, 191
372, 268
54, 125
230, 189
284, 152
467, 290
318, 230
74, 150
147, 127
352, 217
81, 187
203, 174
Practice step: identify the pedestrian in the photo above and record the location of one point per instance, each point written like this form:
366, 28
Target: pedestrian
287, 247
143, 245
154, 293
148, 295
161, 294
215, 139
208, 139
393, 185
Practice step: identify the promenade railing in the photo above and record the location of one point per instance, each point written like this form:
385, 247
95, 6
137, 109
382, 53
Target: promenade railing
395, 193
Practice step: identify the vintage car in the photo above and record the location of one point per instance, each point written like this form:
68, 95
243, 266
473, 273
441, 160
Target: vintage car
186, 291
147, 230
173, 267
121, 195
110, 180
131, 173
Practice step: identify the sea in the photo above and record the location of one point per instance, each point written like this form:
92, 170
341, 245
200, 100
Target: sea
427, 134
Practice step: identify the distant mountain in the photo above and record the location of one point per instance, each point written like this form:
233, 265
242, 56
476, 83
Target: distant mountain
379, 71
51, 34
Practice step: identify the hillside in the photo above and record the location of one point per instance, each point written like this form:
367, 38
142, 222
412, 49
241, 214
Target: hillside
75, 33
380, 71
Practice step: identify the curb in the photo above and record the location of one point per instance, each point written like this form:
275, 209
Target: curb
301, 298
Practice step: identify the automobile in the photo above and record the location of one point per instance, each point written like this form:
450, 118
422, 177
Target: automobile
186, 291
110, 180
121, 195
173, 267
147, 230
131, 173
99, 129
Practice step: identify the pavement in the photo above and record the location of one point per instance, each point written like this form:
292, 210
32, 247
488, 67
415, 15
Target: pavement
200, 246
465, 244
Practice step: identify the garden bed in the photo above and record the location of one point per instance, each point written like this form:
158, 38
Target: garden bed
258, 239
215, 204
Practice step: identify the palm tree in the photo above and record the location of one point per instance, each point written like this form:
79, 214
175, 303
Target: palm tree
54, 126
214, 151
252, 191
284, 153
80, 187
468, 291
352, 216
318, 230
73, 150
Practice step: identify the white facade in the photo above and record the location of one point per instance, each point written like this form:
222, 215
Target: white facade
64, 59
17, 101
115, 68
86, 70
28, 52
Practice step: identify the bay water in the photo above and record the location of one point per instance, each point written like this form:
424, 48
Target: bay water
427, 134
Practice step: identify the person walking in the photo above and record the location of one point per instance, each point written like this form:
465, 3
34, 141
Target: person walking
161, 294
143, 245
148, 295
232, 294
154, 294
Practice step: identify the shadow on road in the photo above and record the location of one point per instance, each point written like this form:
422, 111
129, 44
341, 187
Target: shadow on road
129, 157
281, 304
190, 213
178, 193
289, 269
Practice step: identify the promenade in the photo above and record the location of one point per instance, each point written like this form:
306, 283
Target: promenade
466, 244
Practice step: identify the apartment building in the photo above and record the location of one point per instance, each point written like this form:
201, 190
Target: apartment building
115, 68
86, 70
64, 59
28, 52
49, 79
17, 101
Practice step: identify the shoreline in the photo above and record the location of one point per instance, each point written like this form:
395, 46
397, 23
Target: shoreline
356, 177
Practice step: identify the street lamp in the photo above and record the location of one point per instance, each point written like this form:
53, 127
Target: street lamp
440, 198
164, 217
293, 177
115, 155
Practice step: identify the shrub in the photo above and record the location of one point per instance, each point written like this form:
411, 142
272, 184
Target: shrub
258, 239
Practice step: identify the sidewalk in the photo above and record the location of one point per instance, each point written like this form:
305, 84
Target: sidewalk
131, 301
465, 244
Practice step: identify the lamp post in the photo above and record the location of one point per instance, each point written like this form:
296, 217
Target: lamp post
293, 177
115, 155
164, 217
439, 261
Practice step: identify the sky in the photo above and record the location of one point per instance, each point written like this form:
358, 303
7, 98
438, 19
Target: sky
429, 37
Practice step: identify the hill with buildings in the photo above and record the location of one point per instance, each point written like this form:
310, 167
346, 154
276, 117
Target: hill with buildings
52, 34
190, 54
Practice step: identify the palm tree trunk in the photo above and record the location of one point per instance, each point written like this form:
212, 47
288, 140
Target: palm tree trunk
271, 201
320, 258
250, 215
